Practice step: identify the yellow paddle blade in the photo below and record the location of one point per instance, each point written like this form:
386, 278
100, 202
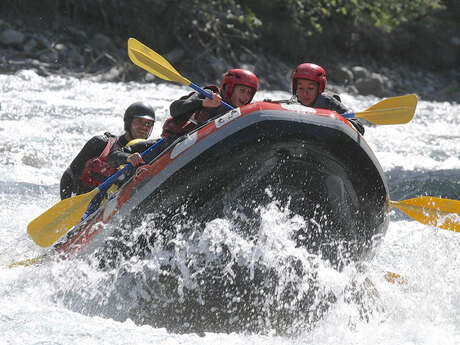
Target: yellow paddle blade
28, 262
51, 225
391, 111
153, 62
438, 212
395, 278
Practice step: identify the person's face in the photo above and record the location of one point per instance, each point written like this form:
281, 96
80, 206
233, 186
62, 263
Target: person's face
307, 91
140, 128
241, 95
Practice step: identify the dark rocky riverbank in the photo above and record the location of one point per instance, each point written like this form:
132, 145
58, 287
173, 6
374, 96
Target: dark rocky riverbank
83, 52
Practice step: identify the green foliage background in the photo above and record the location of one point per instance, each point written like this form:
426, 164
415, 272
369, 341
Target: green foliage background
388, 31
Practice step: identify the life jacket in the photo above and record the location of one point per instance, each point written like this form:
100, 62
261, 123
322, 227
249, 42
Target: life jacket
177, 127
97, 169
114, 187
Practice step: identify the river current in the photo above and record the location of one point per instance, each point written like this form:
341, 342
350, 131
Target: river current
44, 122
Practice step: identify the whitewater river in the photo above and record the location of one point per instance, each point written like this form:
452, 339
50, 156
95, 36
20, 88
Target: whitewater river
45, 121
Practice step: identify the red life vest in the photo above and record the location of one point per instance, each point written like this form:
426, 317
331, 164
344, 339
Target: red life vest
97, 169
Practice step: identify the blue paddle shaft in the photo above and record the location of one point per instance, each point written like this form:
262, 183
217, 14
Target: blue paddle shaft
208, 94
348, 115
111, 179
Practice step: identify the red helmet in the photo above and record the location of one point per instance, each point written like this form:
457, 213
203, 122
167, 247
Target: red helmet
309, 71
237, 76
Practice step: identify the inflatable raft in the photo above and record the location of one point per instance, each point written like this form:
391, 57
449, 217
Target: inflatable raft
312, 161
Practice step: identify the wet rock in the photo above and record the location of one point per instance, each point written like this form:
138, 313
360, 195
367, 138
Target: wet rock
132, 72
77, 35
341, 74
70, 49
74, 57
11, 37
360, 72
101, 42
30, 46
372, 85
43, 42
49, 56
61, 49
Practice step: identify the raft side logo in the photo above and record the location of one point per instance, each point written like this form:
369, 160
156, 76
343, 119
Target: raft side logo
184, 145
230, 116
298, 107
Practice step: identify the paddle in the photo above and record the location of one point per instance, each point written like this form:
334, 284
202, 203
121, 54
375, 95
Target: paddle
152, 62
390, 111
395, 278
27, 262
55, 222
442, 213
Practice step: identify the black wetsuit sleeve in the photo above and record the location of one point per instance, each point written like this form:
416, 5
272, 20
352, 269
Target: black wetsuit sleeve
332, 103
185, 106
66, 185
119, 156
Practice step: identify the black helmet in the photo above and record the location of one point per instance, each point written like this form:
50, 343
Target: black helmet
138, 109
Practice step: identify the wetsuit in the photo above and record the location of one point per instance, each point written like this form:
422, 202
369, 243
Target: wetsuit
70, 180
330, 102
188, 113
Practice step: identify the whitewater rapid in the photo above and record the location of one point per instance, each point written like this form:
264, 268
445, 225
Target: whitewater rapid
44, 122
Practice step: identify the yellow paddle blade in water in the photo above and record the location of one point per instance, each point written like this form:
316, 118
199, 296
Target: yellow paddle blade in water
391, 111
395, 278
441, 213
151, 61
27, 262
55, 222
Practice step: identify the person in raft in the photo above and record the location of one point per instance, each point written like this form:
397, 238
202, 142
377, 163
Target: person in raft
91, 166
308, 83
189, 112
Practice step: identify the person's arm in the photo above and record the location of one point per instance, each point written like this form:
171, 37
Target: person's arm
66, 185
120, 156
334, 103
185, 106
357, 124
330, 102
92, 148
342, 109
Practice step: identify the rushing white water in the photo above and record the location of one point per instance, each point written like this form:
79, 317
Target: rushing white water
44, 122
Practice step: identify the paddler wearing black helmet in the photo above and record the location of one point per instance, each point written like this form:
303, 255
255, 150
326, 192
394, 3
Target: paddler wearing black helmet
91, 165
139, 119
